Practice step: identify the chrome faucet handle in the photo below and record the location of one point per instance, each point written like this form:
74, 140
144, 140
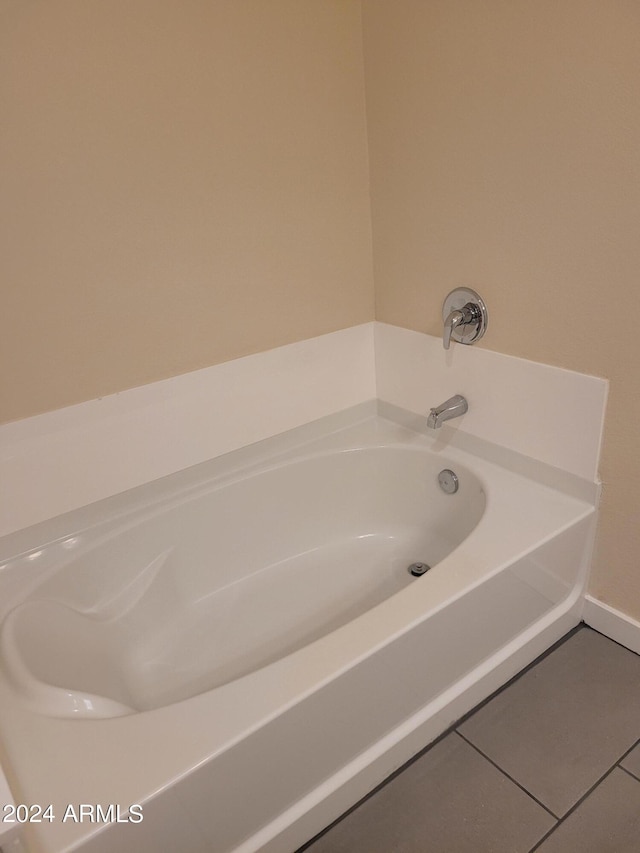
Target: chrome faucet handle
465, 317
453, 319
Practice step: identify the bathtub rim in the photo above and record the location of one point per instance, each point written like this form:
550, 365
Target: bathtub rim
451, 435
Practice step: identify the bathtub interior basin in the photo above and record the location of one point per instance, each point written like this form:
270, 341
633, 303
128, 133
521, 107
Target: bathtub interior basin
209, 588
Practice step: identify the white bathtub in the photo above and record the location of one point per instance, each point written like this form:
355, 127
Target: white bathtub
240, 650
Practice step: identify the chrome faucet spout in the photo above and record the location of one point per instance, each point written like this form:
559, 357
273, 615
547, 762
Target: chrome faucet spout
451, 408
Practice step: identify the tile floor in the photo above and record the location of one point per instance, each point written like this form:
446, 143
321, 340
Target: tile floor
550, 764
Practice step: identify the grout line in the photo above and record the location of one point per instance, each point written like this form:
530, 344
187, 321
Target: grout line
545, 836
577, 804
624, 770
579, 627
589, 792
607, 637
510, 778
621, 759
624, 754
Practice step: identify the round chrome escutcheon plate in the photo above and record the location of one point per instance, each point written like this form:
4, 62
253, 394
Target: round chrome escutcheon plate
448, 481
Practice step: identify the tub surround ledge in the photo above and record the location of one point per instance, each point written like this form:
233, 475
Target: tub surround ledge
65, 459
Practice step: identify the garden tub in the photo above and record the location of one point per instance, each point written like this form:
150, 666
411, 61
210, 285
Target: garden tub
227, 659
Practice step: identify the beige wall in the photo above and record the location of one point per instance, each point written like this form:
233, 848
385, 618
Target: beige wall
182, 183
186, 182
504, 141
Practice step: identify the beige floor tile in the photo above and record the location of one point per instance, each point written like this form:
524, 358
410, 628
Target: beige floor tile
608, 821
566, 721
450, 800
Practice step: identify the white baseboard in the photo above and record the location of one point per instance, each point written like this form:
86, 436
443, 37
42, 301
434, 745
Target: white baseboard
612, 623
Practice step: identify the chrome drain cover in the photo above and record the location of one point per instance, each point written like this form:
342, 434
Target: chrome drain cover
418, 569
